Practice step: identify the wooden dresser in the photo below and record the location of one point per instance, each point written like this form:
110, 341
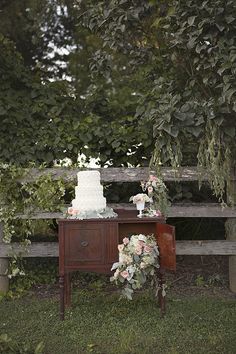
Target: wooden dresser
91, 245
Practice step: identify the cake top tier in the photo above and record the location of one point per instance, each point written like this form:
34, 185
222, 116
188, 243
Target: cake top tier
88, 176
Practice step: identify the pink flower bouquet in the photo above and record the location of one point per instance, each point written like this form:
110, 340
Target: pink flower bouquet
138, 261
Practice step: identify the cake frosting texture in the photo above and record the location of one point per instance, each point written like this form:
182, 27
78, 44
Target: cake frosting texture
89, 192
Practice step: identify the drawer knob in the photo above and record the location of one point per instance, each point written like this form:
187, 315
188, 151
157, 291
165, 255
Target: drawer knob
84, 243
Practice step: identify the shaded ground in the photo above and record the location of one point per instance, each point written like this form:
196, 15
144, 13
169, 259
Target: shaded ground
205, 275
198, 275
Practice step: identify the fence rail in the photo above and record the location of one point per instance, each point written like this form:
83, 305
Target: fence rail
120, 174
50, 249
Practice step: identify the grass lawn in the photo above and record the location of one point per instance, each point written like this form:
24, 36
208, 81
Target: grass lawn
99, 323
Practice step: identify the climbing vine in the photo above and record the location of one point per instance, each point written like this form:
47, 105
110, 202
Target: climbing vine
216, 158
20, 199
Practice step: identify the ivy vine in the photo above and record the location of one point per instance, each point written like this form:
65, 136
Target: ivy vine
20, 199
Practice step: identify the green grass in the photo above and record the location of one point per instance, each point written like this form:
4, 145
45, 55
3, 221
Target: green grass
99, 323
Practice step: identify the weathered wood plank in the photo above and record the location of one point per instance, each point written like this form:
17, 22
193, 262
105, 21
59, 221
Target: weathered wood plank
36, 249
119, 174
197, 210
201, 210
50, 249
224, 248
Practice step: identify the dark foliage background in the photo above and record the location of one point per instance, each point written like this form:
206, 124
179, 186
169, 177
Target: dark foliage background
121, 81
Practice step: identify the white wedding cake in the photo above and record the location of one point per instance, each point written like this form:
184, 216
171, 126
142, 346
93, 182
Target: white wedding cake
89, 192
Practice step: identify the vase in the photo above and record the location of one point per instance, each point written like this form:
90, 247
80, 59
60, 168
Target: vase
140, 208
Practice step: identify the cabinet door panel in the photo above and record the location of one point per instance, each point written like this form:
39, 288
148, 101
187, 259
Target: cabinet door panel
84, 243
166, 244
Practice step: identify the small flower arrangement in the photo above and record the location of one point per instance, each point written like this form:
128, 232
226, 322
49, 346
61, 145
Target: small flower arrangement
74, 213
138, 261
139, 198
157, 193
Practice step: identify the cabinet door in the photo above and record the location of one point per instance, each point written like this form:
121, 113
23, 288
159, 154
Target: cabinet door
84, 243
166, 243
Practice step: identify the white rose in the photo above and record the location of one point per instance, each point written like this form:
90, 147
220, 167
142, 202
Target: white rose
134, 240
116, 274
143, 265
142, 237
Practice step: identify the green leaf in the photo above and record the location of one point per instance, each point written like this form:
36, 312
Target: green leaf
157, 22
181, 116
230, 19
219, 120
191, 20
40, 348
230, 131
191, 43
229, 94
115, 265
220, 27
115, 144
140, 110
2, 111
174, 131
195, 131
122, 28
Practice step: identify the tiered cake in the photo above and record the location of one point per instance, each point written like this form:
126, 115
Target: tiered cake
89, 192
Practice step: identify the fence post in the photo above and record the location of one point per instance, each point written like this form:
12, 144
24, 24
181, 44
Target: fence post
230, 227
4, 280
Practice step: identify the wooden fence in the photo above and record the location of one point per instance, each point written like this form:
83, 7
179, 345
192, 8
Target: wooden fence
207, 210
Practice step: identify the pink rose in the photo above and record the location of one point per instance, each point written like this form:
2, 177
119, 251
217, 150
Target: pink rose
158, 213
150, 189
70, 210
138, 250
147, 249
120, 247
75, 212
140, 243
124, 274
125, 241
152, 178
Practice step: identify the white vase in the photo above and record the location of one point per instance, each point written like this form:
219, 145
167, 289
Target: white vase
140, 207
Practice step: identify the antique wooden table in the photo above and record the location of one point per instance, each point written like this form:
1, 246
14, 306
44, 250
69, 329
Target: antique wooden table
91, 245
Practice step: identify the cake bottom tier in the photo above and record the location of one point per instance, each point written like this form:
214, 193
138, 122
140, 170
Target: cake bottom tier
89, 204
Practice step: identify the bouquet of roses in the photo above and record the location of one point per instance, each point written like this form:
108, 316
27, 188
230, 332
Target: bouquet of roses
138, 261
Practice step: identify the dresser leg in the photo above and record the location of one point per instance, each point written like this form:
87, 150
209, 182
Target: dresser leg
67, 290
62, 297
161, 298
